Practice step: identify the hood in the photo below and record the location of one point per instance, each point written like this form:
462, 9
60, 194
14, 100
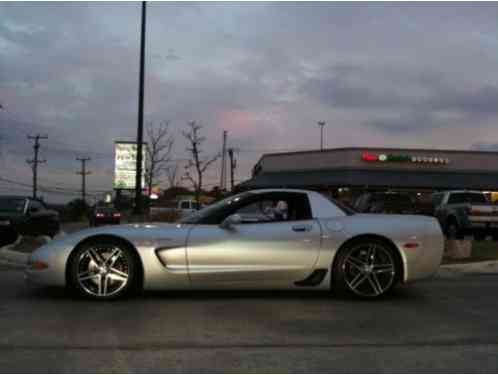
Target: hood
10, 215
143, 234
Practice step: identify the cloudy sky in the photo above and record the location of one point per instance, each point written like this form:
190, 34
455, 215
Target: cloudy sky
379, 74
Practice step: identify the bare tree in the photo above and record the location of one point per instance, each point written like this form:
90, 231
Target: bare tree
172, 174
160, 145
196, 163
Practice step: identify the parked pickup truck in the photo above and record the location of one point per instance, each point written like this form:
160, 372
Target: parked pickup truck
179, 210
462, 213
25, 216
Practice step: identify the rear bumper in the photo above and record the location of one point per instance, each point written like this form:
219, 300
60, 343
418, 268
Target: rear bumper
480, 226
106, 221
8, 235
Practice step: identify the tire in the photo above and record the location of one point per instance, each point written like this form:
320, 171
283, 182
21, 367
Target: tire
367, 268
103, 270
479, 235
453, 232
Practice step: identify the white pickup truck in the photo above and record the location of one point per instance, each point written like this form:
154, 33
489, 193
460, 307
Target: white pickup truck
466, 212
183, 208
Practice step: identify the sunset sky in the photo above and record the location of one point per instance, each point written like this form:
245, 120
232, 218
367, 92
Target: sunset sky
380, 74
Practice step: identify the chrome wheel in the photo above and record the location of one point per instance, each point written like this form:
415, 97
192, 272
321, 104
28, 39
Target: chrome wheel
369, 270
102, 271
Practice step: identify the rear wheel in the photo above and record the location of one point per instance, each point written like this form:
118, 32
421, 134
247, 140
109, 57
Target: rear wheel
104, 269
453, 232
366, 268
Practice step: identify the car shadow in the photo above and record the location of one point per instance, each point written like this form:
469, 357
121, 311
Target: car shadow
399, 294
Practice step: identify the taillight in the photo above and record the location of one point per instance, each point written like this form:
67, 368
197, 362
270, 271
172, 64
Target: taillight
116, 214
98, 214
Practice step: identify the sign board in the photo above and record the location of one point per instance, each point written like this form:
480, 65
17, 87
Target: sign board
125, 162
426, 159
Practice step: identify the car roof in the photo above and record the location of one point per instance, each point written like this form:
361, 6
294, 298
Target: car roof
463, 191
282, 190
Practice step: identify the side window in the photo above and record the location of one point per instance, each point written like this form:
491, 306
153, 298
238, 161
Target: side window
437, 199
256, 212
35, 206
476, 198
456, 198
185, 205
362, 202
276, 207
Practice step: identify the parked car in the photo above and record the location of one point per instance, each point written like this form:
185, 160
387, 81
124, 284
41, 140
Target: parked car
100, 215
385, 202
25, 216
463, 213
271, 238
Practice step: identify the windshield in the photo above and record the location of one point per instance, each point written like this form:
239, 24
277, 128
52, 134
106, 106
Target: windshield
199, 216
12, 204
348, 210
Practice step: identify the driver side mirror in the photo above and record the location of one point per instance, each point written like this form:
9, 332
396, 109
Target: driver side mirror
231, 221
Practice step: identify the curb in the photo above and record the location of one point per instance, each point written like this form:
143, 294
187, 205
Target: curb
488, 267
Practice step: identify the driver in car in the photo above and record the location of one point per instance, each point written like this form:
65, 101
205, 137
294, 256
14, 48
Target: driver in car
279, 212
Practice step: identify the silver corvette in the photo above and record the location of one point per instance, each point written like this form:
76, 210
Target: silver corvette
261, 239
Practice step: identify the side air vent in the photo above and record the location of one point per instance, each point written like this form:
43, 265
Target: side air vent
314, 279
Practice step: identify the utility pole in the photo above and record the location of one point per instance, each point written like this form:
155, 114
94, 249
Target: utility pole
140, 128
233, 165
321, 124
35, 161
223, 178
83, 174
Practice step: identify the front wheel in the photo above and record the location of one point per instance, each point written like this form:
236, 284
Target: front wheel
103, 270
367, 269
479, 235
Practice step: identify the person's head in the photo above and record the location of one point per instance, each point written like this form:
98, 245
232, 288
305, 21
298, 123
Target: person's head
282, 207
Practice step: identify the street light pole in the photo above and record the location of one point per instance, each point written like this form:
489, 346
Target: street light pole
321, 124
140, 128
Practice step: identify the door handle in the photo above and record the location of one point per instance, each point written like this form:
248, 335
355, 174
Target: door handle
301, 228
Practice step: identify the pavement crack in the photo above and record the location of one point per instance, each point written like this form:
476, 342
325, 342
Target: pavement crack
197, 346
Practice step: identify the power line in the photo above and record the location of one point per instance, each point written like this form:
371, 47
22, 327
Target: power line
83, 174
321, 124
35, 161
233, 165
223, 178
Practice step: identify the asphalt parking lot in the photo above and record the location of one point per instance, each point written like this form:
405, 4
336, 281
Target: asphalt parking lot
441, 325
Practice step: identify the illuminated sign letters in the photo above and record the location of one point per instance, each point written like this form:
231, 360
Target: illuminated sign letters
403, 158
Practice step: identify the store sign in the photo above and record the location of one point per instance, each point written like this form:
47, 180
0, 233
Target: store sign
404, 158
125, 158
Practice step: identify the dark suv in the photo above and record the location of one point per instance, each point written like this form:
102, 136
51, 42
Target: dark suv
389, 203
25, 216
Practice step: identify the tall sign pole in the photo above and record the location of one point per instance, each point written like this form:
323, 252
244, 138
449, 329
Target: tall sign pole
140, 129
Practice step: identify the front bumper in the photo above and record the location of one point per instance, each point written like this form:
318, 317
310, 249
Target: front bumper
53, 274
